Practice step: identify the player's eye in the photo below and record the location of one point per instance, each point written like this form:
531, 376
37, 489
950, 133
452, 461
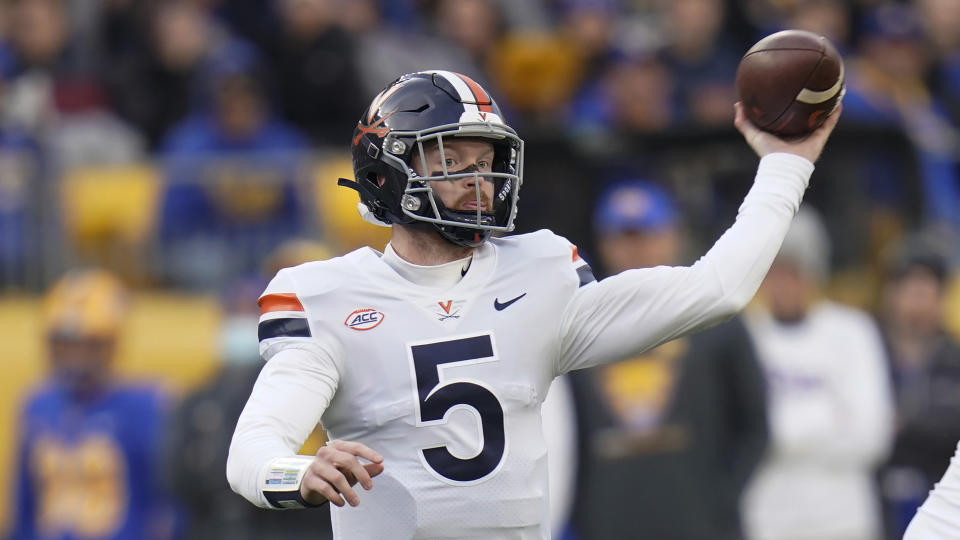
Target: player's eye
483, 165
450, 162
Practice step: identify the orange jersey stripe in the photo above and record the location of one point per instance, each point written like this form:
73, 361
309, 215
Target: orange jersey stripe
279, 302
483, 100
576, 256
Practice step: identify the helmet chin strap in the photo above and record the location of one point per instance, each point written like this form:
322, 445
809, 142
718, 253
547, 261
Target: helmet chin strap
369, 216
365, 213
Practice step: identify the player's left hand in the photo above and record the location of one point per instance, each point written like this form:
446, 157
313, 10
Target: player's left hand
334, 471
809, 146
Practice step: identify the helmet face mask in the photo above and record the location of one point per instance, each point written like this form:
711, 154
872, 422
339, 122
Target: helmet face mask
421, 113
421, 202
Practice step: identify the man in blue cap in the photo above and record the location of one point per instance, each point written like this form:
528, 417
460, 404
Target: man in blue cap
670, 438
636, 224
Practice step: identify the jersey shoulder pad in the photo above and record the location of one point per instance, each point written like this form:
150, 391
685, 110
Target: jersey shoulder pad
315, 277
545, 244
539, 244
283, 316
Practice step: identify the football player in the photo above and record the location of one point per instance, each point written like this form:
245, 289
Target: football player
939, 516
427, 363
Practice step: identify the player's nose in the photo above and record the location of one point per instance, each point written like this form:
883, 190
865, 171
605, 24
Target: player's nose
471, 180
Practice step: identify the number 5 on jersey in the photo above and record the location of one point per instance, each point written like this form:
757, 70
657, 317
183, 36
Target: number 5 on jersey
436, 398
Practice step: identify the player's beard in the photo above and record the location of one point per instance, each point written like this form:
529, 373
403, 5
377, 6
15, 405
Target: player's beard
485, 202
486, 206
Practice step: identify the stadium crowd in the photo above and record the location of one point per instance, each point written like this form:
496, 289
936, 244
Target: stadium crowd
191, 147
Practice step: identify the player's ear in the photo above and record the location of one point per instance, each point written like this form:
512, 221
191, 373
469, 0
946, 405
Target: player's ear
381, 180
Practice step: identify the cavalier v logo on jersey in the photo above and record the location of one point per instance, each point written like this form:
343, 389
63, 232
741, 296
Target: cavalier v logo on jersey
448, 309
364, 319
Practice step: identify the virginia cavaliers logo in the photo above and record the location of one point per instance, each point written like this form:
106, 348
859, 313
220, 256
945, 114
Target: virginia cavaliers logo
364, 319
449, 309
376, 128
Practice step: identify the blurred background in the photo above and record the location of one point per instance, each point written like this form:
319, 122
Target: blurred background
168, 157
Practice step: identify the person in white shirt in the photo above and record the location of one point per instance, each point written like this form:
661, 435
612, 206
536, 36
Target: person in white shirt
830, 405
428, 363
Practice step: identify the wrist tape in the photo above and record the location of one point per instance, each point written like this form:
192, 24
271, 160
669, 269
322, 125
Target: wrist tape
281, 486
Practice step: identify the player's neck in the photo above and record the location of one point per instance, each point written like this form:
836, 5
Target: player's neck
425, 247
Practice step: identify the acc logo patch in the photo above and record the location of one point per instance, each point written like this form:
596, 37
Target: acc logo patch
364, 319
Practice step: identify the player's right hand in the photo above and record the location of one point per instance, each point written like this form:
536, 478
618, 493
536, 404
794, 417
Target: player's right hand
810, 146
335, 469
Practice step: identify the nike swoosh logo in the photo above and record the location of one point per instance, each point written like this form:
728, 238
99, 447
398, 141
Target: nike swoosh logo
500, 307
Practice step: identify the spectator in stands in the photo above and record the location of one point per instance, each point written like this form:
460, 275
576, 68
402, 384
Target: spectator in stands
152, 84
386, 49
702, 61
202, 426
474, 26
21, 192
887, 86
51, 92
828, 18
633, 95
940, 19
313, 64
830, 407
89, 446
231, 170
925, 366
669, 439
590, 27
52, 95
39, 35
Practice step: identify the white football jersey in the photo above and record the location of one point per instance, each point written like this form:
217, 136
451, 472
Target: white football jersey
446, 382
939, 516
447, 386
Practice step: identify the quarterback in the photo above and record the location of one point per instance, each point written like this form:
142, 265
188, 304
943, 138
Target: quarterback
938, 518
428, 363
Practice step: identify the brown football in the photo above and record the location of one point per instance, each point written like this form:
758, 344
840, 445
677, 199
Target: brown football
790, 82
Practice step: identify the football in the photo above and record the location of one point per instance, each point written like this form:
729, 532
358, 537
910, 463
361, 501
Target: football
790, 82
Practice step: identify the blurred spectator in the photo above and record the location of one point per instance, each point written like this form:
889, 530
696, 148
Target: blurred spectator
940, 19
20, 200
88, 455
52, 93
84, 131
887, 86
38, 45
203, 425
474, 26
925, 365
702, 60
231, 169
385, 52
830, 406
256, 21
153, 83
828, 18
314, 66
669, 438
590, 27
633, 96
